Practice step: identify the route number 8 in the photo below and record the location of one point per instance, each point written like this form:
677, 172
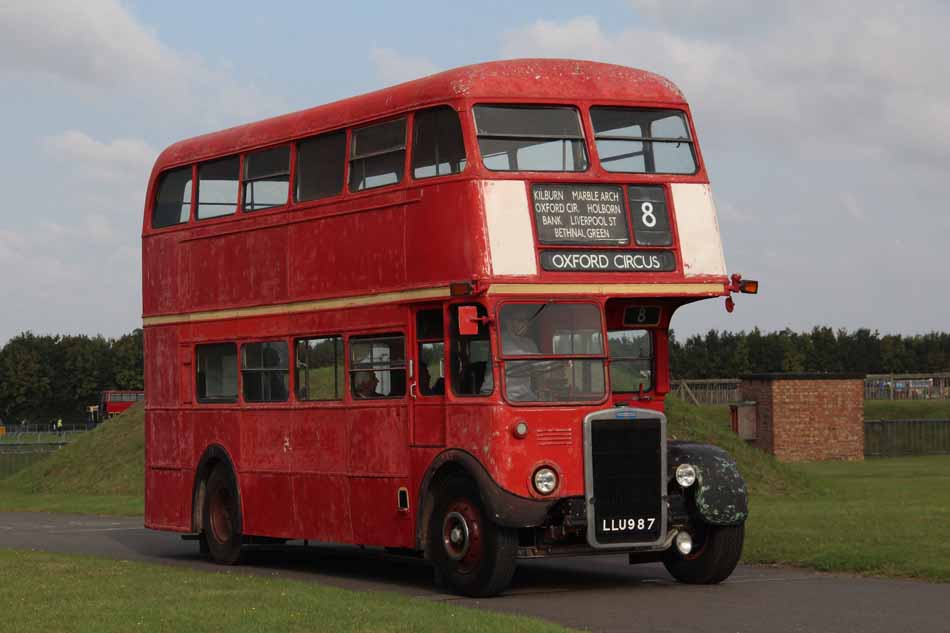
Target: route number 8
648, 219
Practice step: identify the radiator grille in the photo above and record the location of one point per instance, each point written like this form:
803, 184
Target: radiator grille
626, 464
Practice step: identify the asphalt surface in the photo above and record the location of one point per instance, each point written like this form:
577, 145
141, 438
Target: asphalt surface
601, 593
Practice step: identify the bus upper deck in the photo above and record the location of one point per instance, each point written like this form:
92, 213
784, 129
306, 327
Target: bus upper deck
528, 176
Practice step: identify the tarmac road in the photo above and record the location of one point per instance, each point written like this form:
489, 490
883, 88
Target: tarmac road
597, 593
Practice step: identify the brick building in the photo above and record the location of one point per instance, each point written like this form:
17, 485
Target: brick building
808, 417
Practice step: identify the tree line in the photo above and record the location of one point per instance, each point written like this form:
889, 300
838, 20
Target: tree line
48, 377
729, 354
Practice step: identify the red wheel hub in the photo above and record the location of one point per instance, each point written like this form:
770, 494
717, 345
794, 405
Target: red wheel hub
462, 535
221, 516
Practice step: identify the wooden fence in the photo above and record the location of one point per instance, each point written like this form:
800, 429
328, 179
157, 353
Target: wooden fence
891, 438
714, 391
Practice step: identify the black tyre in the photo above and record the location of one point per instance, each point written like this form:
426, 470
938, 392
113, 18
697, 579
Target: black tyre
716, 553
472, 556
221, 517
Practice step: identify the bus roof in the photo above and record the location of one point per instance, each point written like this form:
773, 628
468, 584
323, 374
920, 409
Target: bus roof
517, 79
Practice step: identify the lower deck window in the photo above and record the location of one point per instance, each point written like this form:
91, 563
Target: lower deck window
216, 372
378, 367
264, 371
320, 368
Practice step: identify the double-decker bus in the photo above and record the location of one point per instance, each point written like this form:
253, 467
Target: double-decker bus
115, 401
435, 318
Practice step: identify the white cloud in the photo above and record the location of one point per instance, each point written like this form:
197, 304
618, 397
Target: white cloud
393, 67
109, 161
96, 48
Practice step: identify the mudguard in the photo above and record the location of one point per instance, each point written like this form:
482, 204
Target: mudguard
719, 493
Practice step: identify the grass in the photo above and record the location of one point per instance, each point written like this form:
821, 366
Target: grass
881, 516
76, 593
101, 472
907, 409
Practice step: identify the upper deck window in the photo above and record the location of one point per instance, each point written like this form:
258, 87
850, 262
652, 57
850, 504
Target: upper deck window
266, 178
378, 155
218, 187
437, 145
173, 198
530, 138
320, 163
642, 141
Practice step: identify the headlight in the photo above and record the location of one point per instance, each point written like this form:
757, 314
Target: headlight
545, 480
685, 475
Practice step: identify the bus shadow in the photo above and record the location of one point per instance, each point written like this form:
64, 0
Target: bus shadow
363, 568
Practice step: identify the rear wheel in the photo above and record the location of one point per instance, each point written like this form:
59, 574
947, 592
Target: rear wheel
472, 556
221, 517
716, 553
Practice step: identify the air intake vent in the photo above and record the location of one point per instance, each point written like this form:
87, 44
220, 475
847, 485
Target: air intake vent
555, 437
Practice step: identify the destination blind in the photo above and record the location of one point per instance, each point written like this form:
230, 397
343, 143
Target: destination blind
580, 214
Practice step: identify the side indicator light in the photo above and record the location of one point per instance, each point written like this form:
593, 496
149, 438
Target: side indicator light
749, 286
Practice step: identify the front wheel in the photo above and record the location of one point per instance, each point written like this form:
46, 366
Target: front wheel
221, 518
716, 554
472, 556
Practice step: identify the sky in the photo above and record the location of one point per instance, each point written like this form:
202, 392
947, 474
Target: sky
825, 128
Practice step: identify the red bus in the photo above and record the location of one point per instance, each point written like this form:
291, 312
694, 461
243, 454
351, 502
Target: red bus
435, 318
113, 402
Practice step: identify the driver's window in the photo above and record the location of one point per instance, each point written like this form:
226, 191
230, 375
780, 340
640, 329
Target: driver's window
631, 360
470, 357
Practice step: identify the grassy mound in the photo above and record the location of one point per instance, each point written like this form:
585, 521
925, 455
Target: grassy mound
763, 474
108, 461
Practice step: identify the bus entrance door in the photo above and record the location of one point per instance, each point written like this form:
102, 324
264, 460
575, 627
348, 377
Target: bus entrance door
428, 383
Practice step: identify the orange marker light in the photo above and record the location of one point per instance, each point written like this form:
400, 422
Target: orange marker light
749, 286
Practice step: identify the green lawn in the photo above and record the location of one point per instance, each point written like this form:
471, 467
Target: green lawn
55, 592
879, 516
907, 409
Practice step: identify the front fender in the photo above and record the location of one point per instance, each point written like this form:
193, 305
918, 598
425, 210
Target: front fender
719, 493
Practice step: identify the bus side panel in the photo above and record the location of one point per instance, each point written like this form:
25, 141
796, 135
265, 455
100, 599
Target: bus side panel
266, 487
161, 359
376, 518
210, 281
169, 446
268, 504
446, 244
378, 466
319, 441
322, 503
160, 275
378, 441
168, 499
375, 255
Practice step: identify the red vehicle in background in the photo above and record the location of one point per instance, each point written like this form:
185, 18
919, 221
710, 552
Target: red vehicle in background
114, 402
435, 318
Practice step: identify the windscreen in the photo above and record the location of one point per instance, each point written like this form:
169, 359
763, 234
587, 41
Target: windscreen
526, 138
547, 349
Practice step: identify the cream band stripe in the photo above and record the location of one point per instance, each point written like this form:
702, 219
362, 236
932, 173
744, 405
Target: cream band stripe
441, 292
